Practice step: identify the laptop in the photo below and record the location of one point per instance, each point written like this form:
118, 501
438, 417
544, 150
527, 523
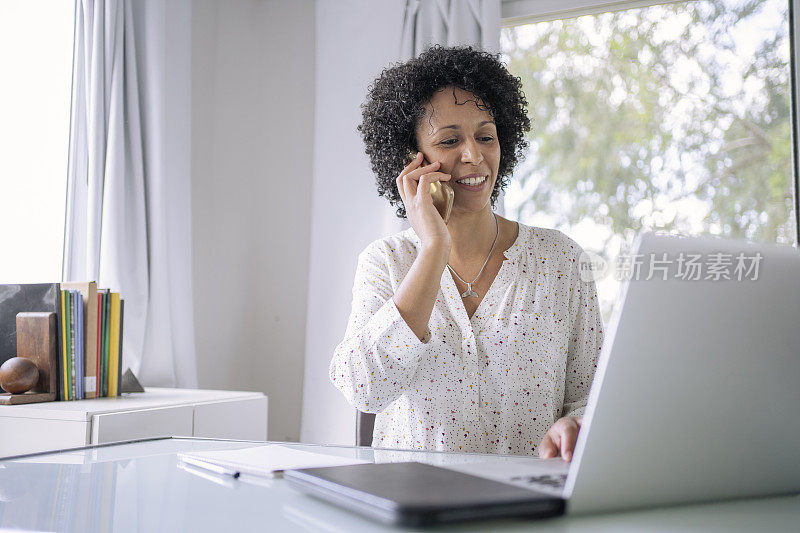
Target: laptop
696, 391
697, 387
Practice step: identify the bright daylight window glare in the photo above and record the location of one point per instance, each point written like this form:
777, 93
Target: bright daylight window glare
36, 61
672, 117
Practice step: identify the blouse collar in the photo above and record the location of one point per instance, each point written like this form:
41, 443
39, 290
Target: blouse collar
519, 244
513, 253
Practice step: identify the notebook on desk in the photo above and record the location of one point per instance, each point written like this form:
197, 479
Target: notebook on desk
268, 460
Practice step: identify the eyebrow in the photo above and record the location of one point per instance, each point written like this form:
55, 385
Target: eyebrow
457, 127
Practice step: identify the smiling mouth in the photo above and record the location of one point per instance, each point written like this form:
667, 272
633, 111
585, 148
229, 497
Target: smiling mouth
472, 181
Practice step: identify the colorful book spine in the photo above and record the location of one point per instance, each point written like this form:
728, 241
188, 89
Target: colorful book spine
76, 328
72, 391
68, 336
80, 359
63, 377
106, 338
76, 341
119, 364
99, 340
101, 370
113, 346
75, 348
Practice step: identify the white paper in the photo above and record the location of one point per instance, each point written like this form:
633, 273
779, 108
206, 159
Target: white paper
268, 460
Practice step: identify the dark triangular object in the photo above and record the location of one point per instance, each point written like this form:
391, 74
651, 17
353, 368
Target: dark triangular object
130, 383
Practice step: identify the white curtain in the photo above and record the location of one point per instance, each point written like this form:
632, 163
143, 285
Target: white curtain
128, 212
473, 23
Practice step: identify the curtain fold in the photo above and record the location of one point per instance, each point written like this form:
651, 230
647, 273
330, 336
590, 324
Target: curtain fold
473, 23
127, 221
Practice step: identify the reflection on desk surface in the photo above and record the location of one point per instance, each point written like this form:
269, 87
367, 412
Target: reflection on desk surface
141, 487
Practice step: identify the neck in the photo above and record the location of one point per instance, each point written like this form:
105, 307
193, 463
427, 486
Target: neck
472, 235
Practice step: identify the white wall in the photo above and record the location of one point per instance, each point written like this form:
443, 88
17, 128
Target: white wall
259, 71
252, 132
356, 39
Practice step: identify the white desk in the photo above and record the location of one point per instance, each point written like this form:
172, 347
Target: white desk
140, 487
157, 412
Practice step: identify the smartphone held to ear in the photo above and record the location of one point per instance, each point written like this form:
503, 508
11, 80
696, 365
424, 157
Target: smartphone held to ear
441, 193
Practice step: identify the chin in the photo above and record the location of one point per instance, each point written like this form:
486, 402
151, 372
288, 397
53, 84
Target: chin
474, 205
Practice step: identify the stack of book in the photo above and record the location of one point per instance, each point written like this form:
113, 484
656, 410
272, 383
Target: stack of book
89, 333
90, 338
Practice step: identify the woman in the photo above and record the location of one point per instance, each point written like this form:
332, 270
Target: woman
477, 335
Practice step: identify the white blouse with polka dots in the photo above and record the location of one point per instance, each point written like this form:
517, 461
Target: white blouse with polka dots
494, 383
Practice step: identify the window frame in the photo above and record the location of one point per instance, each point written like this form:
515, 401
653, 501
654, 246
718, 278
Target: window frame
518, 12
794, 27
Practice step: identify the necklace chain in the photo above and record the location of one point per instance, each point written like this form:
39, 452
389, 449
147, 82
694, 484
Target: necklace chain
469, 291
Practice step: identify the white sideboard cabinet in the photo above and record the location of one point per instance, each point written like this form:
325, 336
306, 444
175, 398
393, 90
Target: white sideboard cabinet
156, 412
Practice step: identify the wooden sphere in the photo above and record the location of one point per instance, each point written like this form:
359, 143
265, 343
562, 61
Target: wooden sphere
18, 375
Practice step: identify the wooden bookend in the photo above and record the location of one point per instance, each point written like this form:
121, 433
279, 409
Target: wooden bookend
37, 336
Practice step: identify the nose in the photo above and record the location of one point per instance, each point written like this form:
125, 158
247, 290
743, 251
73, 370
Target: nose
472, 153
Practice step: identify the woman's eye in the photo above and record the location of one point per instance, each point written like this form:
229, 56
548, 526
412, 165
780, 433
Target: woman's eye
449, 142
487, 139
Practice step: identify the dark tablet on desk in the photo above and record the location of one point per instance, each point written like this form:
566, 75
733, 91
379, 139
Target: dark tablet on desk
416, 494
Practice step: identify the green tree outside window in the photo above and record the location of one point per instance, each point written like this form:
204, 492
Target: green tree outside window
673, 117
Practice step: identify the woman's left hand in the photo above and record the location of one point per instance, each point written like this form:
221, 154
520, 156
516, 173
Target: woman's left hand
560, 438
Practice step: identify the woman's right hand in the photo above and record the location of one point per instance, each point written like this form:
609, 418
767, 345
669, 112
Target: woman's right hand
414, 186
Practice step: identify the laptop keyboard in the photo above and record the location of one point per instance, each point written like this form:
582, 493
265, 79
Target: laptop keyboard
555, 481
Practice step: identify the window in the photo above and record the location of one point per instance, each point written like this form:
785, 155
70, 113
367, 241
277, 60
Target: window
672, 117
36, 39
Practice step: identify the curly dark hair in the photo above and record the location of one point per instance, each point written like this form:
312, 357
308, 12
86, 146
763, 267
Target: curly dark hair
396, 102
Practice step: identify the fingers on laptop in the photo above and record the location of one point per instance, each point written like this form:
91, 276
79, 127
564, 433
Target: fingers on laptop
548, 448
560, 438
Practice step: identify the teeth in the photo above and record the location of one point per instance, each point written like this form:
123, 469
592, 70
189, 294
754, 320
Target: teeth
473, 181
